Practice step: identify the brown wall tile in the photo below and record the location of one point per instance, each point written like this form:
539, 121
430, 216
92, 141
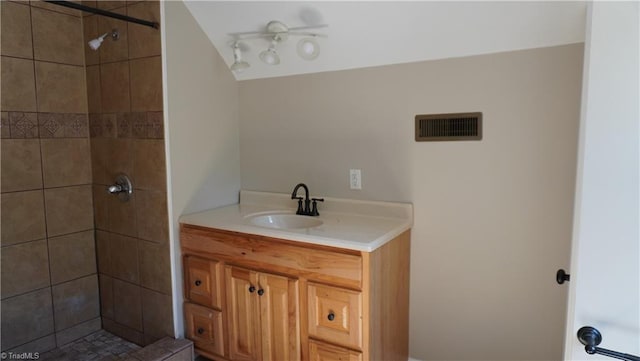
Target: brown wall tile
110, 5
123, 252
99, 159
18, 90
114, 91
146, 84
155, 310
69, 210
22, 217
78, 331
25, 267
66, 296
93, 89
66, 162
26, 317
72, 256
100, 207
121, 216
125, 332
53, 80
16, 30
127, 304
149, 167
143, 40
23, 125
113, 50
57, 37
5, 128
152, 216
20, 162
106, 296
155, 266
90, 32
103, 254
155, 125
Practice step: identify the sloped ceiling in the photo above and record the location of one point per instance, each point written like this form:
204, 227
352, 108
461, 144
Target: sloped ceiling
364, 34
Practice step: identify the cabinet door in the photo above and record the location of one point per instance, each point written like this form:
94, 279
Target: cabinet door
243, 314
202, 281
279, 318
204, 327
319, 351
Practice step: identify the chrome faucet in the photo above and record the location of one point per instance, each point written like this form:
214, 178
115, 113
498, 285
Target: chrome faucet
306, 210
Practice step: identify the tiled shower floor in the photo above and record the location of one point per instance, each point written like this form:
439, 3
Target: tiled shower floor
98, 346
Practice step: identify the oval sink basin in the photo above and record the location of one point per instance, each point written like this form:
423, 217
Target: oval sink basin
285, 221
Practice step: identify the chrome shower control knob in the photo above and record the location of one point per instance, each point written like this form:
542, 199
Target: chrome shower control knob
122, 187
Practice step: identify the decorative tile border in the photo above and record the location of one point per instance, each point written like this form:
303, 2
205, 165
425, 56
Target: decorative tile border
138, 125
63, 125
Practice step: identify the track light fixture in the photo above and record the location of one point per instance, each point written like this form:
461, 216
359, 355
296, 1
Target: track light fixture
95, 43
238, 65
277, 33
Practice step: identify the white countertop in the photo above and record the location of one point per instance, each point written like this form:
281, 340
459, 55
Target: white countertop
346, 223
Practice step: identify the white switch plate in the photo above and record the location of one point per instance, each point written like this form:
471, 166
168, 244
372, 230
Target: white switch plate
355, 179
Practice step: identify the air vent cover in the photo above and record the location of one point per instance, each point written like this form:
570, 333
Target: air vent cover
443, 127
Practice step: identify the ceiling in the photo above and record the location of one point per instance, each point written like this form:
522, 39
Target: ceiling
363, 34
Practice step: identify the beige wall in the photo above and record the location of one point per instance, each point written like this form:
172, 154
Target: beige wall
202, 113
492, 218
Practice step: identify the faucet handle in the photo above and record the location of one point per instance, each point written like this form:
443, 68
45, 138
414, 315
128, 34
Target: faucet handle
300, 209
314, 210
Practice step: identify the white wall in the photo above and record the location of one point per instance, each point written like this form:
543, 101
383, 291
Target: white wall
605, 265
202, 136
492, 218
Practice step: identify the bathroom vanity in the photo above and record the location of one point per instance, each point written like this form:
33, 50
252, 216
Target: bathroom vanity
261, 283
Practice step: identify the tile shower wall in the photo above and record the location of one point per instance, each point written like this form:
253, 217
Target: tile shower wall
124, 94
48, 268
71, 119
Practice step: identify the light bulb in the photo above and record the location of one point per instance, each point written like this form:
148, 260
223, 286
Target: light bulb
270, 56
308, 49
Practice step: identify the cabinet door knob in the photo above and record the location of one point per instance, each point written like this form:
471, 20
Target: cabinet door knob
252, 289
198, 282
200, 331
331, 316
260, 292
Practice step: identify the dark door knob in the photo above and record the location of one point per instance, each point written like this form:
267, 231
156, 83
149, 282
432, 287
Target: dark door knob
331, 316
562, 276
252, 289
260, 292
200, 331
198, 282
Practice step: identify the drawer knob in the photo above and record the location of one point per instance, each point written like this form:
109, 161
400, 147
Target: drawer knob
198, 282
200, 331
260, 292
252, 289
331, 316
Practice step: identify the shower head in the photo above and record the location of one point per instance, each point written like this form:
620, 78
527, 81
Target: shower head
95, 43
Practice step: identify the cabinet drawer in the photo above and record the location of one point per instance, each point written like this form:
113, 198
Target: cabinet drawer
319, 351
335, 314
203, 281
204, 328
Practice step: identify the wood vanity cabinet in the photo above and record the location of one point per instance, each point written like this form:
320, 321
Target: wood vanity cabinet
250, 297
